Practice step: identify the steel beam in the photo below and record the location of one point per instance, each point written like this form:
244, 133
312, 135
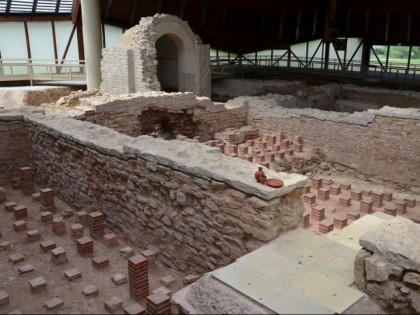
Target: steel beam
34, 4
133, 11
28, 43
107, 9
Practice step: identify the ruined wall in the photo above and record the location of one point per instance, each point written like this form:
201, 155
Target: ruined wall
15, 97
188, 114
198, 208
387, 268
14, 148
137, 51
382, 144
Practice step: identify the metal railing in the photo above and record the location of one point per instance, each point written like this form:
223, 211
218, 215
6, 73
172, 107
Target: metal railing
41, 70
352, 68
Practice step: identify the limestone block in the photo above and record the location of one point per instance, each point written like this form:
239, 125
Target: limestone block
53, 304
119, 278
378, 269
412, 278
89, 290
395, 241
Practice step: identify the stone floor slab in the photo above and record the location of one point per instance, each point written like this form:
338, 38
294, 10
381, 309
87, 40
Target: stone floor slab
325, 291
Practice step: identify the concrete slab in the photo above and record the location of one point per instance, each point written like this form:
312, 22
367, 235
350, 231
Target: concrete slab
249, 282
292, 302
325, 291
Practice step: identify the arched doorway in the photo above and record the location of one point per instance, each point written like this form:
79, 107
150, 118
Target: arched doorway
167, 63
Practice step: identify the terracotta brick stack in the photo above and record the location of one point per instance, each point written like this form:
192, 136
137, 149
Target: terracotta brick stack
285, 144
46, 246
356, 194
58, 226
96, 224
84, 246
269, 157
290, 152
20, 211
100, 262
325, 226
345, 186
377, 198
26, 180
340, 221
304, 223
10, 206
387, 196
46, 217
335, 190
324, 193
76, 230
353, 215
298, 147
318, 212
259, 158
366, 205
47, 200
81, 217
309, 198
280, 154
401, 206
367, 192
391, 210
307, 189
231, 150
158, 303
411, 202
344, 201
242, 150
138, 277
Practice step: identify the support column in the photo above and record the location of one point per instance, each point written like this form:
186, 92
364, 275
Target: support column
92, 41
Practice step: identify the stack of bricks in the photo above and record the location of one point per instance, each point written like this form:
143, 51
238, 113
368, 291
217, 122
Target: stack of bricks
76, 230
377, 199
366, 206
307, 189
318, 212
344, 201
20, 211
46, 217
353, 215
387, 196
81, 217
96, 224
304, 223
401, 206
58, 226
309, 198
26, 180
138, 277
242, 150
356, 194
325, 226
100, 262
335, 190
110, 240
10, 206
340, 221
345, 186
411, 202
19, 226
231, 150
366, 192
158, 303
47, 200
324, 193
84, 246
391, 210
46, 246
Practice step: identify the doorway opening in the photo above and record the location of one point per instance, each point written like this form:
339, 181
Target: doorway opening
167, 67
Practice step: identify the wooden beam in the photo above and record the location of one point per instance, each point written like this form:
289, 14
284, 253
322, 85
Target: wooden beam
281, 23
8, 5
133, 11
182, 7
28, 43
107, 9
57, 7
388, 19
54, 41
204, 11
34, 4
315, 21
160, 6
68, 44
75, 11
80, 44
299, 16
409, 28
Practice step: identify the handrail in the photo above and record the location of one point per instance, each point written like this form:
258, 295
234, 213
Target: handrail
12, 69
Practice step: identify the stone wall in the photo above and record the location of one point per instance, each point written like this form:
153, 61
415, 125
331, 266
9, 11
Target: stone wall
131, 67
14, 148
198, 208
382, 144
175, 113
15, 97
388, 266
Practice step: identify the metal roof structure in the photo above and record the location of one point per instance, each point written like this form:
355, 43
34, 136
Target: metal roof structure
35, 7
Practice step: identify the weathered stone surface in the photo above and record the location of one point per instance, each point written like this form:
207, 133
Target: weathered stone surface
113, 304
359, 268
4, 298
119, 278
395, 240
89, 290
53, 304
412, 278
378, 269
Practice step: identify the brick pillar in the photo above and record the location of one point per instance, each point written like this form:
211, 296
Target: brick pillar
96, 224
138, 277
26, 180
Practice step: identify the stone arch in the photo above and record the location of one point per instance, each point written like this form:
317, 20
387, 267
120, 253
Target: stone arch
137, 53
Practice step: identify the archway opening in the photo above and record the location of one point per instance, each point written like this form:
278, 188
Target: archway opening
167, 66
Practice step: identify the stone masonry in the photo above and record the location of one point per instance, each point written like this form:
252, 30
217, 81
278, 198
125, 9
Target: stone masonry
388, 266
131, 66
169, 195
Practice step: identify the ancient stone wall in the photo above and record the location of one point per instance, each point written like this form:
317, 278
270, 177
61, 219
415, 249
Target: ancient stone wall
14, 148
382, 144
135, 58
388, 266
198, 208
169, 113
